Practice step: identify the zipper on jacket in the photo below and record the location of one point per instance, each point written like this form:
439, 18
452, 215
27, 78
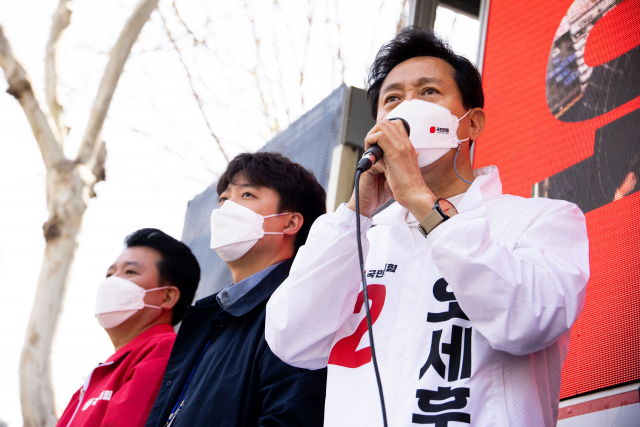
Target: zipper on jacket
84, 389
176, 408
174, 414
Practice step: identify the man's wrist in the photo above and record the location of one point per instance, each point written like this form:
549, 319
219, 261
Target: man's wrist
348, 215
352, 205
421, 205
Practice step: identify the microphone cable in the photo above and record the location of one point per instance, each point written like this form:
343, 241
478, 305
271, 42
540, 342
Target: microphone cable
364, 165
374, 359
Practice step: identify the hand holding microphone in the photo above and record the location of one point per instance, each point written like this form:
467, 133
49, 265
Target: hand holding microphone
374, 153
398, 176
390, 137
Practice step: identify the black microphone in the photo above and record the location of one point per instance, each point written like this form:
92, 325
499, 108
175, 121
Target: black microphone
374, 153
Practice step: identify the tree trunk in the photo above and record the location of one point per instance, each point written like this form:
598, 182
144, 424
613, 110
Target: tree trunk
70, 185
66, 206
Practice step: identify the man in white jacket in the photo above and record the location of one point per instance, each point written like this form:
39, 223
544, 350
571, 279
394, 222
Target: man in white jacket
471, 311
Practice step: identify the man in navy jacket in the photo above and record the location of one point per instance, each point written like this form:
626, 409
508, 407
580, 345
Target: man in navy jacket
221, 371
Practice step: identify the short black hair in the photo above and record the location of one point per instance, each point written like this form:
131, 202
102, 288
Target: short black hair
297, 187
178, 266
413, 42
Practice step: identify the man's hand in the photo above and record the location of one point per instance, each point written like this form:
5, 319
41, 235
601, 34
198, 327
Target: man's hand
396, 175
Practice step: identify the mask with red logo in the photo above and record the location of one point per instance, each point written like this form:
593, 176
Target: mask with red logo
434, 129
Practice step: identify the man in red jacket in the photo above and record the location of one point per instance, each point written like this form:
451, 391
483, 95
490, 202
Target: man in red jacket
147, 290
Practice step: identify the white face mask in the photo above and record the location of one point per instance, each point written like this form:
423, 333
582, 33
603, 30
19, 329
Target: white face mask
434, 130
118, 299
236, 229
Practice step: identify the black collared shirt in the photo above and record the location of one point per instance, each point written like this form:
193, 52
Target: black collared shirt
238, 381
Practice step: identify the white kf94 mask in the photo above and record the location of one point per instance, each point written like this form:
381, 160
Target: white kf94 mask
118, 299
434, 130
236, 229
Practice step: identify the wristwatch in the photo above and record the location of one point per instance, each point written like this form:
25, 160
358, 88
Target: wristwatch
441, 211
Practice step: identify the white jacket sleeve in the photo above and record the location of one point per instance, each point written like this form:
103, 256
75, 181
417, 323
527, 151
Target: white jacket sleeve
309, 307
524, 296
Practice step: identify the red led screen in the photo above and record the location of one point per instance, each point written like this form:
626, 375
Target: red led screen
562, 88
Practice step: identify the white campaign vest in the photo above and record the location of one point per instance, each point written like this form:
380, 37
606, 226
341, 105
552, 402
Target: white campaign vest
517, 268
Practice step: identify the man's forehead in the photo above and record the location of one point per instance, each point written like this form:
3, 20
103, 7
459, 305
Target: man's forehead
240, 180
418, 81
419, 71
243, 183
137, 256
126, 262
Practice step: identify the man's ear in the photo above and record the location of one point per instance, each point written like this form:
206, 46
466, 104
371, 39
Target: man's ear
294, 224
171, 297
477, 120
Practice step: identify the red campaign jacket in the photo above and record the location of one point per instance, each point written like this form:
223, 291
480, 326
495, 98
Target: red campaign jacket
121, 391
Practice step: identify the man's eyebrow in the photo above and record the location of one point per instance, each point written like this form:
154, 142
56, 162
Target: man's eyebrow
137, 264
392, 86
421, 81
244, 185
428, 80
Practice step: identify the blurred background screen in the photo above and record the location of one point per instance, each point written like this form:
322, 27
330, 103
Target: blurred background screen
562, 84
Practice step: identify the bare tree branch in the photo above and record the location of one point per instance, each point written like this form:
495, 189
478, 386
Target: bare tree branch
339, 54
306, 53
20, 87
59, 22
180, 155
115, 66
287, 28
95, 165
374, 47
203, 44
338, 26
196, 40
254, 73
200, 43
184, 24
401, 24
193, 90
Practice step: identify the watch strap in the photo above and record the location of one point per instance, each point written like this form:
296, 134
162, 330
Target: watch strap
431, 221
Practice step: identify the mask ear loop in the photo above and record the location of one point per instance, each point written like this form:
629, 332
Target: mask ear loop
283, 213
465, 115
455, 159
155, 289
269, 216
